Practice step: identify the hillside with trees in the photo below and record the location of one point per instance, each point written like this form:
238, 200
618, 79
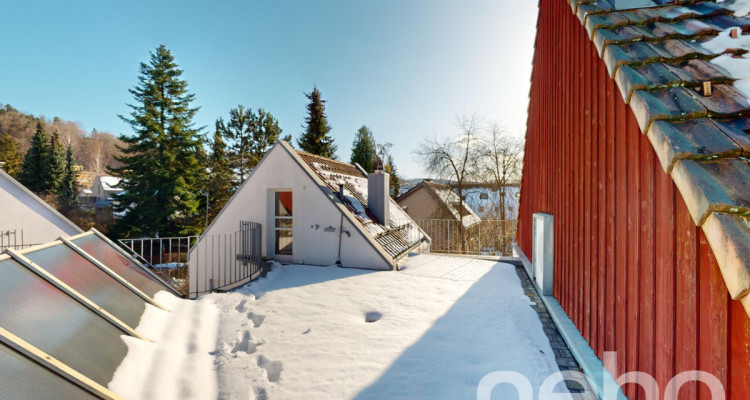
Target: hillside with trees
93, 150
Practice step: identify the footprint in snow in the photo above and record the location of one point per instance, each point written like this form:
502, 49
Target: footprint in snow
273, 368
244, 343
241, 306
256, 318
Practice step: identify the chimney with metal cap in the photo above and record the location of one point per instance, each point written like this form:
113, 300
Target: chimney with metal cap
378, 200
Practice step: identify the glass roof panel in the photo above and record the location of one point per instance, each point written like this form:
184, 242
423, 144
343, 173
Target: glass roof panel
102, 251
86, 278
23, 378
39, 313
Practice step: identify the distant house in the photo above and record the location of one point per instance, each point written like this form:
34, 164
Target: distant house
313, 210
25, 219
430, 200
85, 181
104, 188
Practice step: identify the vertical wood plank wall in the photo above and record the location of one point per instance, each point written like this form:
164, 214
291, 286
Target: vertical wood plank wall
631, 268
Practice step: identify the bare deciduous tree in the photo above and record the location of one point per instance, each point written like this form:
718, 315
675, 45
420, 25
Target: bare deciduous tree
500, 165
454, 159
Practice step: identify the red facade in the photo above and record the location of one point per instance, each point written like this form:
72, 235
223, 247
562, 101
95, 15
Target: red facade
631, 269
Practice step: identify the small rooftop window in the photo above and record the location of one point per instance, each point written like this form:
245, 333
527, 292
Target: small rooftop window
626, 4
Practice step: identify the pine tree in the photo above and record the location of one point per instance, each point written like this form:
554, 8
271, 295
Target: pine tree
221, 182
67, 191
266, 131
316, 138
251, 135
363, 148
238, 130
11, 160
31, 174
394, 182
161, 164
288, 139
53, 168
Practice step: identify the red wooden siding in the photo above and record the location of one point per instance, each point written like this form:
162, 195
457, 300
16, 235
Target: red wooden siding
631, 268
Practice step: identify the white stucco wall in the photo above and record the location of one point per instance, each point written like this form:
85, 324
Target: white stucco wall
311, 207
22, 210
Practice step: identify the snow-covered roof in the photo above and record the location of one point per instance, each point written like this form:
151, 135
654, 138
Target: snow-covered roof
110, 183
396, 236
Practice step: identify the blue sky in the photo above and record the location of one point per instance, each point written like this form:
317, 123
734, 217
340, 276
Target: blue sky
404, 68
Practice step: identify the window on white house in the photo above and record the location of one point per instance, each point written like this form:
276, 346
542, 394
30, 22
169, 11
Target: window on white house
283, 223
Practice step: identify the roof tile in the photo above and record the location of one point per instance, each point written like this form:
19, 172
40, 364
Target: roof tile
645, 76
696, 139
669, 104
738, 129
729, 238
672, 50
724, 100
620, 34
608, 20
713, 186
585, 10
677, 49
694, 72
680, 29
722, 22
641, 15
630, 53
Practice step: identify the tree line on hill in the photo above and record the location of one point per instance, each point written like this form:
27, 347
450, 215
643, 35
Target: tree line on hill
93, 150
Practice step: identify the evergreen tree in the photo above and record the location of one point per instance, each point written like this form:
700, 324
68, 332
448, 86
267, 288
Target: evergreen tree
266, 131
363, 148
221, 182
394, 182
31, 174
67, 191
9, 155
239, 131
251, 135
288, 139
161, 164
53, 168
316, 138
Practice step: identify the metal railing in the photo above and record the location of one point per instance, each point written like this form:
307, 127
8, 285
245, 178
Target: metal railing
168, 257
488, 237
13, 240
222, 262
196, 265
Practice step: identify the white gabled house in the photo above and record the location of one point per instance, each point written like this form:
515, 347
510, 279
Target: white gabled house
25, 219
313, 210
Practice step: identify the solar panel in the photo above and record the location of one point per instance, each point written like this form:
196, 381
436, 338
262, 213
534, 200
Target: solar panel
121, 265
23, 378
44, 316
86, 278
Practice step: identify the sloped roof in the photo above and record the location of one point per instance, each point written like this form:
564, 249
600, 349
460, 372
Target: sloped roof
658, 58
397, 235
87, 300
109, 183
445, 195
30, 199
